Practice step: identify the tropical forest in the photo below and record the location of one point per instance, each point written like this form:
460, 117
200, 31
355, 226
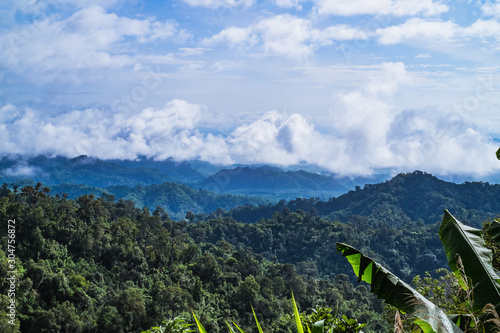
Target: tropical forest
151, 248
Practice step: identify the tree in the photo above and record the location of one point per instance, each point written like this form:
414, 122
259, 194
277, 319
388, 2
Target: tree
248, 290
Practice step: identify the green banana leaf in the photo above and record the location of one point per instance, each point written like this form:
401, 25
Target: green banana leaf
318, 327
396, 292
466, 243
199, 325
296, 314
256, 320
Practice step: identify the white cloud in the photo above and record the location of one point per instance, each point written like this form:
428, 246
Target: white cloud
297, 38
367, 132
226, 65
363, 117
90, 38
419, 30
378, 135
285, 35
166, 132
341, 32
219, 3
284, 140
425, 32
22, 169
441, 143
289, 4
234, 36
381, 7
491, 9
483, 29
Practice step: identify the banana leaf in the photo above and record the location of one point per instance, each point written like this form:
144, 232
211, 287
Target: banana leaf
300, 328
396, 292
465, 243
199, 325
318, 327
256, 320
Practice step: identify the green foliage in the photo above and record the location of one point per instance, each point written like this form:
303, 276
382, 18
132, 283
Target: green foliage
329, 323
444, 291
320, 321
300, 329
396, 292
176, 325
408, 197
97, 265
468, 256
199, 325
471, 262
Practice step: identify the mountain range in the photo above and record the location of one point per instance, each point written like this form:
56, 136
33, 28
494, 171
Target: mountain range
415, 197
250, 193
266, 181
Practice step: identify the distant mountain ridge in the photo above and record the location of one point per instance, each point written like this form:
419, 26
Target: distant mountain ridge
271, 181
263, 180
407, 197
182, 171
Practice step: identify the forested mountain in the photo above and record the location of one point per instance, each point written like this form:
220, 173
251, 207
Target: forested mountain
95, 265
175, 199
300, 237
182, 171
178, 199
83, 169
412, 197
90, 264
417, 196
409, 197
272, 182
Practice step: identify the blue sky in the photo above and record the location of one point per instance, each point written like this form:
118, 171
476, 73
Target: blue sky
351, 86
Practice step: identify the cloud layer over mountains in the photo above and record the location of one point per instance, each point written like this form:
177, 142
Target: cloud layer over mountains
365, 132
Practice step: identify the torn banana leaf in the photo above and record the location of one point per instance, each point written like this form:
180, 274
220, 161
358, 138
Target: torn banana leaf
396, 292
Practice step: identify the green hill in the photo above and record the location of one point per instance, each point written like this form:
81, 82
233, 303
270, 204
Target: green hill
273, 183
416, 196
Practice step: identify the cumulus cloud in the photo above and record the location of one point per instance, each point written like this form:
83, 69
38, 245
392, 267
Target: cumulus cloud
483, 29
89, 38
441, 143
285, 35
289, 4
491, 9
436, 31
366, 133
233, 36
383, 7
363, 117
378, 135
297, 38
420, 30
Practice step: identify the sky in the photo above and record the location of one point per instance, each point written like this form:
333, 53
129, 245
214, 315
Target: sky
352, 86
